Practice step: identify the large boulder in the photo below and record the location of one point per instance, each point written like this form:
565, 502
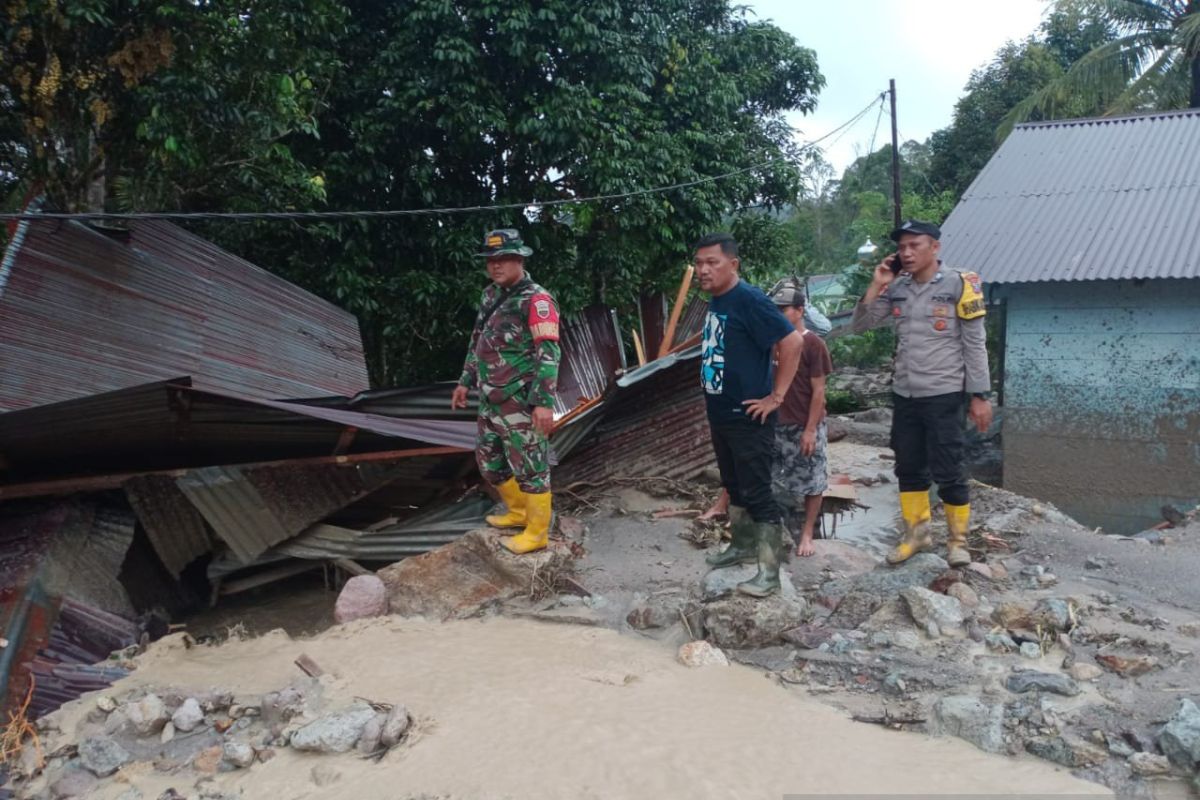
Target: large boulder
458, 579
363, 596
888, 581
971, 719
930, 608
738, 622
1180, 738
334, 733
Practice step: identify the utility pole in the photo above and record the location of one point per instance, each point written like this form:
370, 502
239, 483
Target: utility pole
895, 158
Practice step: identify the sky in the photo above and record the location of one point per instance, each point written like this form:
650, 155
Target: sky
930, 47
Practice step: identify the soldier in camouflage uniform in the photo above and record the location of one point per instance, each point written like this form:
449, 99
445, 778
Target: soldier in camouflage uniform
513, 361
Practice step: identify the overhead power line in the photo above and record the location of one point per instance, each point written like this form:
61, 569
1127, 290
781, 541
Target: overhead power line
412, 212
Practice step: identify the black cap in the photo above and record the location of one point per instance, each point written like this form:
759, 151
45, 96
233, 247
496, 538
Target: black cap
915, 226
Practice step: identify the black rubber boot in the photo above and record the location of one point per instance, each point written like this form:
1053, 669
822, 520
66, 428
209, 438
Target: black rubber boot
766, 582
743, 548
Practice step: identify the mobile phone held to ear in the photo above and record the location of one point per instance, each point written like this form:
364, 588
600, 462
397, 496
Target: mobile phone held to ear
894, 263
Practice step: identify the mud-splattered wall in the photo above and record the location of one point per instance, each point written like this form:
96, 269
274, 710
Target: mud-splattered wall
1102, 397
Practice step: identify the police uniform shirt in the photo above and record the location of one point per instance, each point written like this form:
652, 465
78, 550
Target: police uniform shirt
941, 341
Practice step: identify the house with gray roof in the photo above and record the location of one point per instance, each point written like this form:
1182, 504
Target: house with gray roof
1087, 236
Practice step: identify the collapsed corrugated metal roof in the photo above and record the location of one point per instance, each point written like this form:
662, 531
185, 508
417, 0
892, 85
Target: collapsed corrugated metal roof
84, 312
1086, 199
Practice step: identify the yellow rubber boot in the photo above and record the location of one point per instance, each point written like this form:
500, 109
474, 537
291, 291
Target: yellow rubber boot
537, 529
914, 508
958, 524
514, 498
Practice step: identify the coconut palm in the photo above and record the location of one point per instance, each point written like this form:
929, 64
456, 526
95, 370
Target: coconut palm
1153, 63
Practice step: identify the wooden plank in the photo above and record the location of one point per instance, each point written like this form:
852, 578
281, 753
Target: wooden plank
677, 311
345, 440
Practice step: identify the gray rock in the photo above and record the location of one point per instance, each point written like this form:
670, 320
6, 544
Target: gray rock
720, 583
1053, 614
368, 743
363, 596
102, 757
148, 715
1056, 683
334, 733
1031, 650
1068, 752
964, 594
889, 581
907, 640
73, 782
701, 654
297, 700
854, 609
894, 683
239, 754
1001, 642
1149, 764
395, 726
1085, 672
1119, 747
188, 715
926, 607
738, 622
971, 719
1180, 737
660, 611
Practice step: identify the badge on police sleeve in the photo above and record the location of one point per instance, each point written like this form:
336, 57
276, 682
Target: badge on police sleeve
542, 308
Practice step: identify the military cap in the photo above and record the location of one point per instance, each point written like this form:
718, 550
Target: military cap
503, 242
918, 227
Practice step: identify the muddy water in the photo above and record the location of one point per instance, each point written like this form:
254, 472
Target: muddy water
513, 708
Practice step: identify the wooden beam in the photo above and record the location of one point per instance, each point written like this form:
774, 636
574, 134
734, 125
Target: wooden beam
637, 346
345, 440
676, 311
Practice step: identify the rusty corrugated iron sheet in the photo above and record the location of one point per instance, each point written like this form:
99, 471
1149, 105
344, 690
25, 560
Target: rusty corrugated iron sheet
176, 530
253, 508
592, 354
170, 425
84, 312
691, 323
1084, 199
652, 320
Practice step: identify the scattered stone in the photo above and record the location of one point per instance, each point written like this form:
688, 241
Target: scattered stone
395, 726
1033, 571
854, 609
907, 640
971, 719
963, 594
1068, 752
325, 775
1180, 738
168, 733
919, 570
1095, 562
1189, 629
334, 733
701, 654
1001, 642
979, 568
368, 743
73, 782
148, 715
810, 637
1013, 615
893, 683
239, 754
1031, 650
208, 760
1149, 764
279, 708
740, 622
1047, 580
106, 704
265, 754
999, 571
171, 794
1119, 747
102, 757
1085, 672
363, 596
1054, 682
929, 607
1128, 666
1053, 614
661, 611
474, 571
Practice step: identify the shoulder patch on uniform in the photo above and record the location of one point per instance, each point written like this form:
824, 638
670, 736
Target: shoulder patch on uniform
543, 318
970, 302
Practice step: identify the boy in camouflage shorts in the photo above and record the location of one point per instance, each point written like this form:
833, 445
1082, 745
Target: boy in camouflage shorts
800, 471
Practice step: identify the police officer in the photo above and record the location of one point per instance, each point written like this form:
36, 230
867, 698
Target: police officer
513, 361
941, 368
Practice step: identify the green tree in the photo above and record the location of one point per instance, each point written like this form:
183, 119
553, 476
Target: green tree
1152, 63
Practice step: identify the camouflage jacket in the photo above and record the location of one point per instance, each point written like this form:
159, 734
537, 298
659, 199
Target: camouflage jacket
515, 351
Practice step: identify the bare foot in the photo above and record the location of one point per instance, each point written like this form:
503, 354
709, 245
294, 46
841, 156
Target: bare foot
805, 548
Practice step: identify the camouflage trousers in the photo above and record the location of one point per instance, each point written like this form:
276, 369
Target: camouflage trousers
506, 446
794, 475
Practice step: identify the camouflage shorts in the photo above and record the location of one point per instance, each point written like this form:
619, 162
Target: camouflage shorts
795, 476
506, 445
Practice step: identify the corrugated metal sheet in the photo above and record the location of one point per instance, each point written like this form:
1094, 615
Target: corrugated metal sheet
592, 354
169, 425
691, 322
652, 319
174, 526
253, 508
1075, 200
83, 312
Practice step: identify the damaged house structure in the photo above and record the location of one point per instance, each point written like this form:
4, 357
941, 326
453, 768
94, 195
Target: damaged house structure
1085, 234
178, 425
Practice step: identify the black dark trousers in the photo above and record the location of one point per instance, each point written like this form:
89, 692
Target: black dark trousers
928, 438
744, 451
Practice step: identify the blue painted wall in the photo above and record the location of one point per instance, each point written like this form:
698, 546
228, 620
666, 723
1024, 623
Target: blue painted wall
1102, 397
